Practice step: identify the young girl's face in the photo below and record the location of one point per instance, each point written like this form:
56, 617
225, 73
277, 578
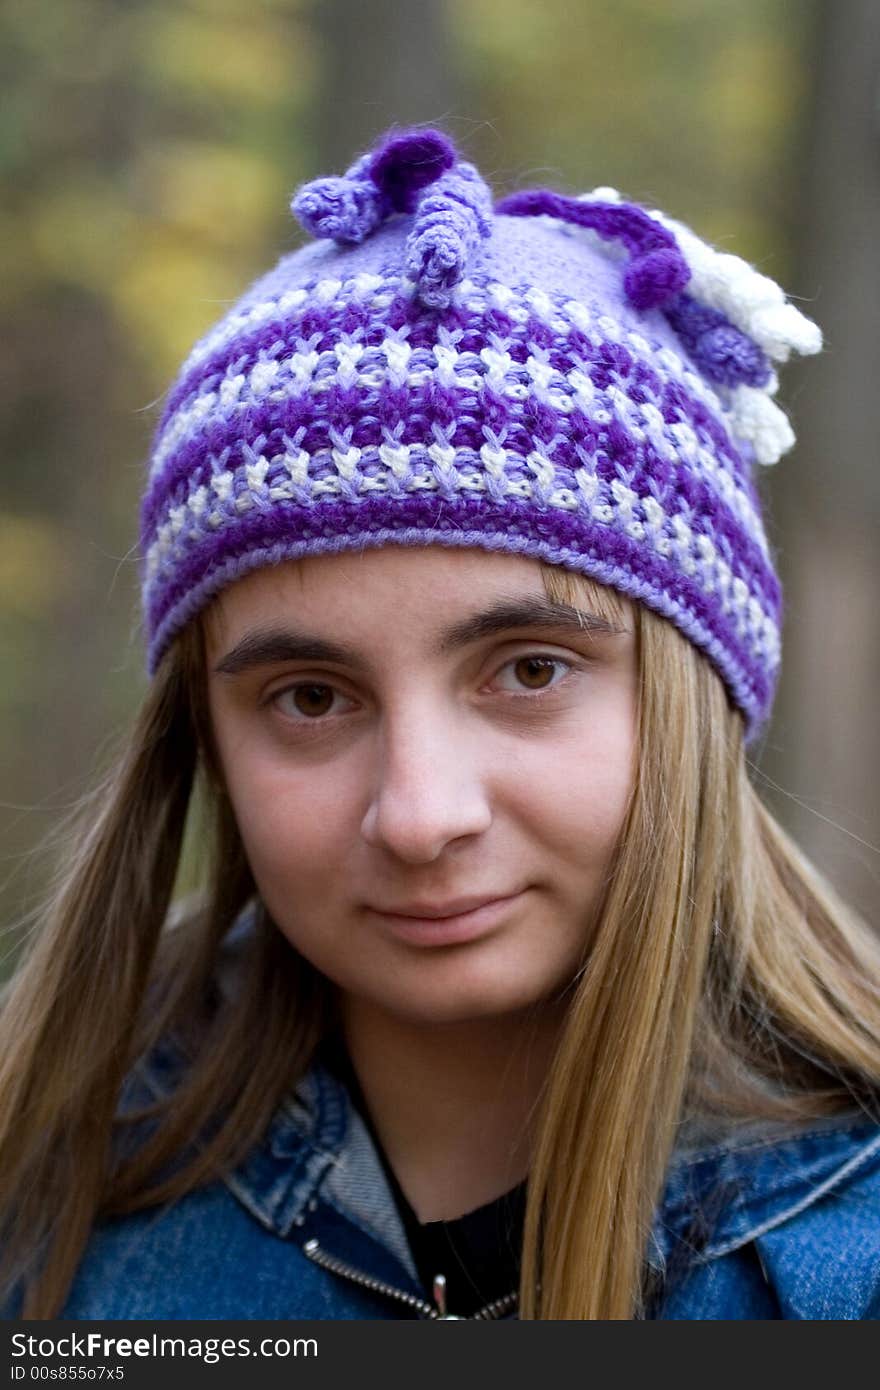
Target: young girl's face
402, 733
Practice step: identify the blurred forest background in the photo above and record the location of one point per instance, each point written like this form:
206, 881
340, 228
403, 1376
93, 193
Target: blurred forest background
148, 152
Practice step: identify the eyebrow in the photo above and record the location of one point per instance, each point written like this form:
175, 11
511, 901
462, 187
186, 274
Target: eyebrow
269, 645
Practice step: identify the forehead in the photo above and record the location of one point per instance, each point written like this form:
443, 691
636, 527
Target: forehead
414, 588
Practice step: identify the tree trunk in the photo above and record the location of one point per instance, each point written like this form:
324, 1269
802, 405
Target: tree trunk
823, 745
385, 63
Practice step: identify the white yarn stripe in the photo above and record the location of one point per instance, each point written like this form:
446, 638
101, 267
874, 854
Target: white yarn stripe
641, 519
642, 420
317, 371
362, 286
378, 293
310, 371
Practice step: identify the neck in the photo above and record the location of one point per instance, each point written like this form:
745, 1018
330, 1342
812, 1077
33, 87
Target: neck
453, 1103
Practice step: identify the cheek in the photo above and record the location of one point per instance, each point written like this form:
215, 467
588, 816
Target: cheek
575, 790
294, 825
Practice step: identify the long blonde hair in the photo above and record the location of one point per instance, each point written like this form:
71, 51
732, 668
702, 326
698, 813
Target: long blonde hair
724, 979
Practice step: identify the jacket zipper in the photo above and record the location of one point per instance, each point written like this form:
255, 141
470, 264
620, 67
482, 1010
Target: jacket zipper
496, 1309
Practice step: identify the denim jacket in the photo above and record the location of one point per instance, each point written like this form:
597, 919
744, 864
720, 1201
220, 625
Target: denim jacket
767, 1224
306, 1227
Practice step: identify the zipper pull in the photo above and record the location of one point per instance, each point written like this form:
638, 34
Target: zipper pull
440, 1300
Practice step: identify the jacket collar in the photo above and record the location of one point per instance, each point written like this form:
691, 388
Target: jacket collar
315, 1142
717, 1197
724, 1196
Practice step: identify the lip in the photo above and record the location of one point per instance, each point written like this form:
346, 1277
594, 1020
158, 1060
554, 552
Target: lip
451, 928
456, 907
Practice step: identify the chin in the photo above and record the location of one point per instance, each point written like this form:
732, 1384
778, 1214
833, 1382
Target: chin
461, 1000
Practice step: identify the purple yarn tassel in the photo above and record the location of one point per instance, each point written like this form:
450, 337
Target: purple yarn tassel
657, 270
452, 218
722, 352
344, 208
654, 279
348, 207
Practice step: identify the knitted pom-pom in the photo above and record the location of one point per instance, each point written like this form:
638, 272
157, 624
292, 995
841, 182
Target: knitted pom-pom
452, 218
407, 162
654, 278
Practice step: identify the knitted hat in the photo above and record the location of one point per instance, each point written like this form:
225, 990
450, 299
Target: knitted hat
576, 379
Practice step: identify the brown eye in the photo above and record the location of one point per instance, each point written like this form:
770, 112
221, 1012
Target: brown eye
312, 699
536, 672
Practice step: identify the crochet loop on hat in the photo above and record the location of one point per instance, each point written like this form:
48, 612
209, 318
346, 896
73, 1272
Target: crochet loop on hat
414, 171
343, 209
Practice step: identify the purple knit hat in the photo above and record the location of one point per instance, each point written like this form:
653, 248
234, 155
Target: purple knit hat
576, 379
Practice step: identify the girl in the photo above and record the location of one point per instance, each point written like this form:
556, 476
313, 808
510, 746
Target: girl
504, 995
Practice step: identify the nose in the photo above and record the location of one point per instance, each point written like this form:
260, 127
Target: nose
429, 783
